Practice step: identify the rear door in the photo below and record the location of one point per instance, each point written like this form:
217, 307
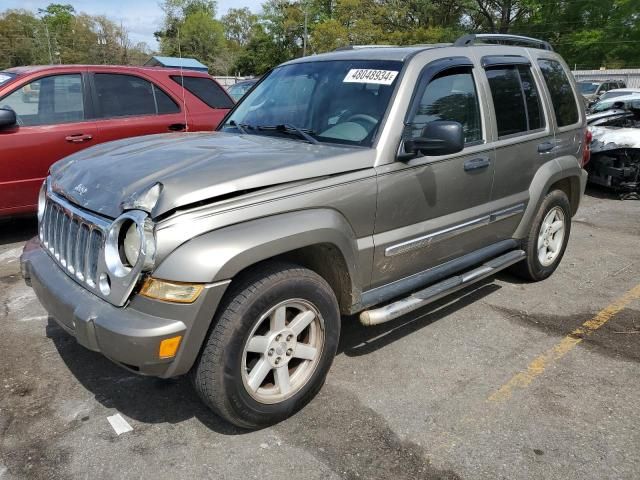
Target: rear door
51, 112
569, 129
523, 136
128, 105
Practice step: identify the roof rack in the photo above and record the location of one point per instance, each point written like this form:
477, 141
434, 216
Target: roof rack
358, 47
470, 39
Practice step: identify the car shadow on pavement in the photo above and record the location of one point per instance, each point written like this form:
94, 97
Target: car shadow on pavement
597, 191
153, 400
357, 340
18, 229
144, 399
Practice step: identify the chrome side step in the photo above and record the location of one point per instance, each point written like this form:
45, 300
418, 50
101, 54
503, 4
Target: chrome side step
438, 290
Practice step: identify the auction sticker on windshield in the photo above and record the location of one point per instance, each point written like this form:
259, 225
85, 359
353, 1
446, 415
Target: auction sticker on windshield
366, 75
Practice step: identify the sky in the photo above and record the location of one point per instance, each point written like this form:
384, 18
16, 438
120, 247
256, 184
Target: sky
140, 17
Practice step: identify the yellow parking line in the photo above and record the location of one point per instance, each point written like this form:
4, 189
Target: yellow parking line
538, 365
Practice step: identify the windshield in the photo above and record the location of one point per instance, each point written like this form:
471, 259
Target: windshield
602, 106
587, 87
6, 76
619, 102
613, 94
342, 101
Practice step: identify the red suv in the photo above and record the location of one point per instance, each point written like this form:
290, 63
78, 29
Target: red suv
49, 112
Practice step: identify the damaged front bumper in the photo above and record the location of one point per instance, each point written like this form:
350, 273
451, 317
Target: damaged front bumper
129, 335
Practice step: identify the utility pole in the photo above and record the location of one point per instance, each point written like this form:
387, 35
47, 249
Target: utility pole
304, 40
46, 29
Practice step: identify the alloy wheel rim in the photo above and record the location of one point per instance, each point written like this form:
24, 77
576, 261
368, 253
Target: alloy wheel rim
551, 236
282, 351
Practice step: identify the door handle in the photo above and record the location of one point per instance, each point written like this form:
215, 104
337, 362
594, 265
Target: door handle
546, 147
177, 127
78, 138
477, 163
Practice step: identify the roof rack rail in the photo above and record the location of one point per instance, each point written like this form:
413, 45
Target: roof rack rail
358, 47
470, 39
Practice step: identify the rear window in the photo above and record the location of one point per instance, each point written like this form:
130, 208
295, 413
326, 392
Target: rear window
206, 90
515, 99
6, 76
564, 102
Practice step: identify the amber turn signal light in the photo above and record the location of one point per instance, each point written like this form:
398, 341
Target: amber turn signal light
175, 292
169, 347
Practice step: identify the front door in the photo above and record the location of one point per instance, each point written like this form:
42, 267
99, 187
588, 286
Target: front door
51, 125
433, 209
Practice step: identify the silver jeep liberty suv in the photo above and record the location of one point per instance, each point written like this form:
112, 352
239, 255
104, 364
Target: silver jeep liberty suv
367, 180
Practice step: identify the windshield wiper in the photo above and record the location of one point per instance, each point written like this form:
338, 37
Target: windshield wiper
240, 126
288, 128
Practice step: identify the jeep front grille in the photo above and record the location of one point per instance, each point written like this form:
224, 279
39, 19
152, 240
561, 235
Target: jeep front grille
74, 239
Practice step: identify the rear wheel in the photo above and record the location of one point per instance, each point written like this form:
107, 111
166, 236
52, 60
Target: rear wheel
271, 346
547, 239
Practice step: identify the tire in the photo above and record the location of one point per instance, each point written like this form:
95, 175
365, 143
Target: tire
244, 340
532, 267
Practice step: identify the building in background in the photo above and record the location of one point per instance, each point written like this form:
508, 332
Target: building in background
630, 76
176, 62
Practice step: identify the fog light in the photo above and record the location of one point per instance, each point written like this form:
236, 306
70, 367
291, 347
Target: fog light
169, 347
171, 291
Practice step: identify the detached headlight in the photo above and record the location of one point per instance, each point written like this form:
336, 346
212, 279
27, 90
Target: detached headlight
42, 199
130, 244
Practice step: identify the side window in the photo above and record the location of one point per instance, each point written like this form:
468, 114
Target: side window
515, 99
48, 101
564, 102
164, 103
451, 95
206, 90
127, 95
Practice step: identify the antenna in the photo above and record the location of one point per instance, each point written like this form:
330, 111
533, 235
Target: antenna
184, 101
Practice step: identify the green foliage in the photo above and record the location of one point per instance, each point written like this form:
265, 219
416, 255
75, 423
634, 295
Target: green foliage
58, 34
238, 26
588, 33
191, 30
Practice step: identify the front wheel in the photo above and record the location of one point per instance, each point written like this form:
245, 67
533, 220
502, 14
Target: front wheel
271, 346
547, 239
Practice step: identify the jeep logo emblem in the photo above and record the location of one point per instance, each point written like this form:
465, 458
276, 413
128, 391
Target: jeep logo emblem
80, 189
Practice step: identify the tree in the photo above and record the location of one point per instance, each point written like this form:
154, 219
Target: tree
238, 25
22, 39
498, 16
61, 35
191, 30
260, 55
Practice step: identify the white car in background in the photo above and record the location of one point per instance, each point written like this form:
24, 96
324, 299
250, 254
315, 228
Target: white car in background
619, 92
614, 102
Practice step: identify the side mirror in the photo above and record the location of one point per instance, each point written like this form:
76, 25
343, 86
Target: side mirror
7, 118
440, 137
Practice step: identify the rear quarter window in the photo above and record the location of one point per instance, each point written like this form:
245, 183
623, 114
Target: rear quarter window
562, 97
206, 90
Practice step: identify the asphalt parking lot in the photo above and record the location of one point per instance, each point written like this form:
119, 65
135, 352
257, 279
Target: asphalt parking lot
506, 380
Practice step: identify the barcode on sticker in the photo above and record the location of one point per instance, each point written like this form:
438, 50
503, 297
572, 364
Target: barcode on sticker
366, 75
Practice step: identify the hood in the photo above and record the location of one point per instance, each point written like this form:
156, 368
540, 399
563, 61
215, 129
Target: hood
614, 138
193, 167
